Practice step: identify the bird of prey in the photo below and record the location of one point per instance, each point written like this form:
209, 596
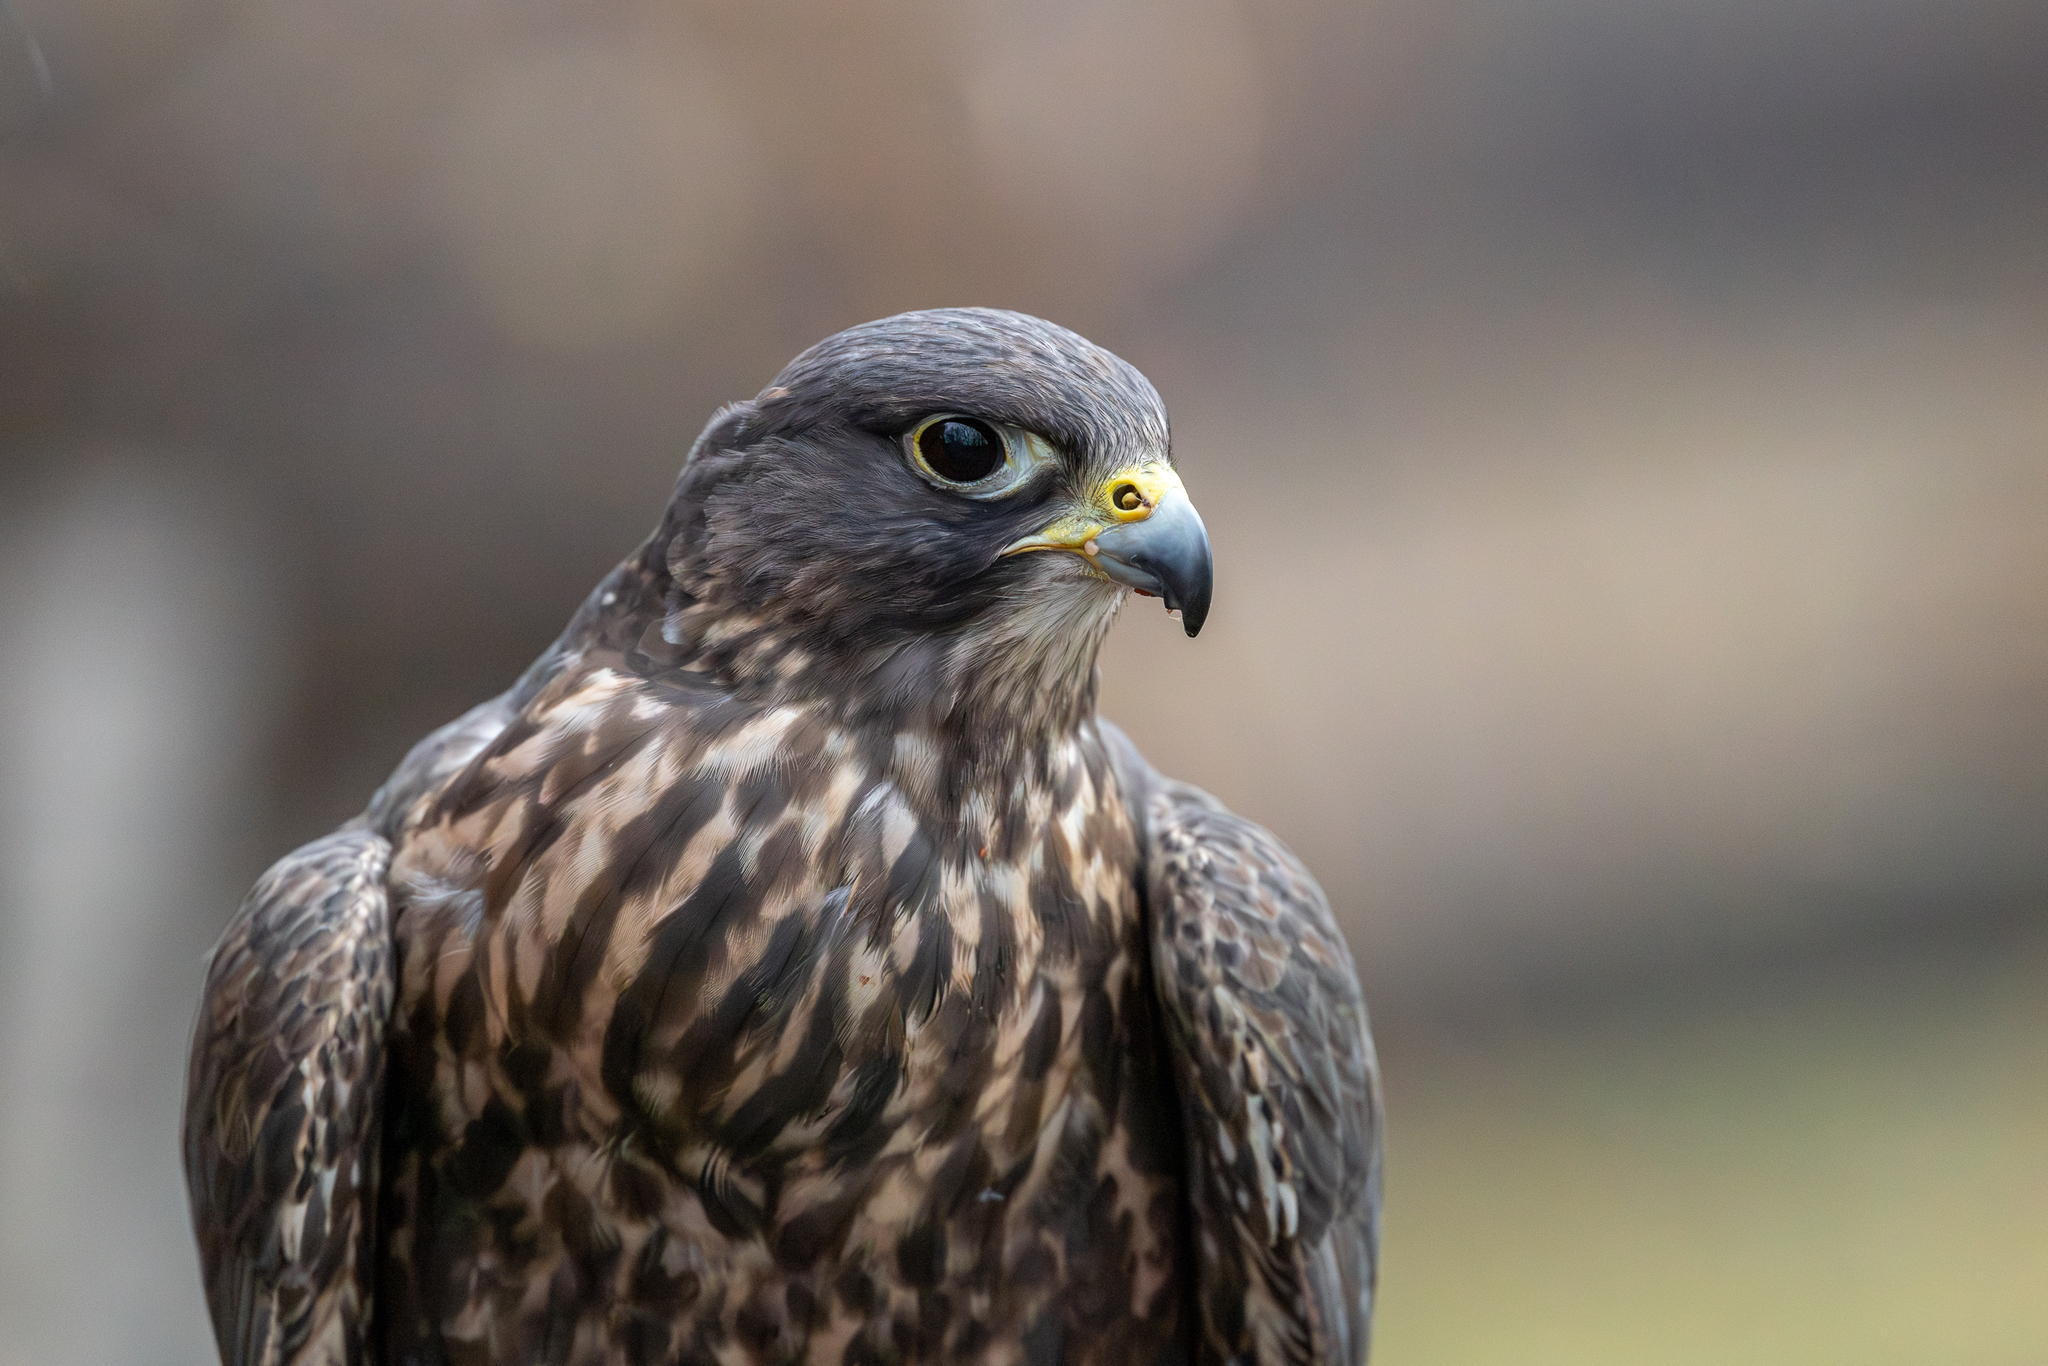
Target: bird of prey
791, 967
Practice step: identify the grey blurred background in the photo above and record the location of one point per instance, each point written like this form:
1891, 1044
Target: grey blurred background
1623, 428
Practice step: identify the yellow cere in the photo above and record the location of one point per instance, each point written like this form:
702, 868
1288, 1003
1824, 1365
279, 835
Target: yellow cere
1133, 494
1129, 495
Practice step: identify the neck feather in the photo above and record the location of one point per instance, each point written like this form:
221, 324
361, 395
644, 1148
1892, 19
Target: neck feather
996, 693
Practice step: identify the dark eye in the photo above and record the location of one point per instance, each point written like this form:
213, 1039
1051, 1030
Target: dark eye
960, 450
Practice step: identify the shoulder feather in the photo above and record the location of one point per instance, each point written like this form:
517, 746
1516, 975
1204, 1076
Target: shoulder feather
1273, 1058
282, 1106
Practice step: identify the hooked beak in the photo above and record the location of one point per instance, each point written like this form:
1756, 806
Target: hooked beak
1139, 528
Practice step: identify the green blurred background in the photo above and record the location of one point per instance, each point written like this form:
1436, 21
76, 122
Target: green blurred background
1623, 428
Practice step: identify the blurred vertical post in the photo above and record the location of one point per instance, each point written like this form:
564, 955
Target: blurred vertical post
135, 679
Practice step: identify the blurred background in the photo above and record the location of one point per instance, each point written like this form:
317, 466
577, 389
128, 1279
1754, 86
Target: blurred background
1623, 429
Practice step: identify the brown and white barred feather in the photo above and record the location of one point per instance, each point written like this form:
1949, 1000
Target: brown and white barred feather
1279, 1086
283, 1103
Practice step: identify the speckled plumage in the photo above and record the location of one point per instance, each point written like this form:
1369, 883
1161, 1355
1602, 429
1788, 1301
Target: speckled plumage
792, 968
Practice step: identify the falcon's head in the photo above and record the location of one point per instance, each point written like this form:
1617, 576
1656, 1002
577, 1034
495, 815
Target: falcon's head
928, 505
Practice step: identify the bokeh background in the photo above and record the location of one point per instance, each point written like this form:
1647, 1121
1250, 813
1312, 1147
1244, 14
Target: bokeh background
1623, 428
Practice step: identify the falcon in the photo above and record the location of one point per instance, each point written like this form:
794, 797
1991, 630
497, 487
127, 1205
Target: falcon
792, 967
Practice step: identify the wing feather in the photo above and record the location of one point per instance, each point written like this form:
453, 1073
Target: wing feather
1273, 1057
282, 1106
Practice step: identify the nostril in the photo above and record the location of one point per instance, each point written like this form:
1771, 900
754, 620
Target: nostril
1127, 498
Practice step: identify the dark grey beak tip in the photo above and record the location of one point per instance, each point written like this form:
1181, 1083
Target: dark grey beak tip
1191, 599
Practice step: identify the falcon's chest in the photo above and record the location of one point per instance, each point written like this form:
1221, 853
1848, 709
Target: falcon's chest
756, 1024
730, 928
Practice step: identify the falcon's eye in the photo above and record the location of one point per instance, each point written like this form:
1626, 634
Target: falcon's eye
960, 450
973, 457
